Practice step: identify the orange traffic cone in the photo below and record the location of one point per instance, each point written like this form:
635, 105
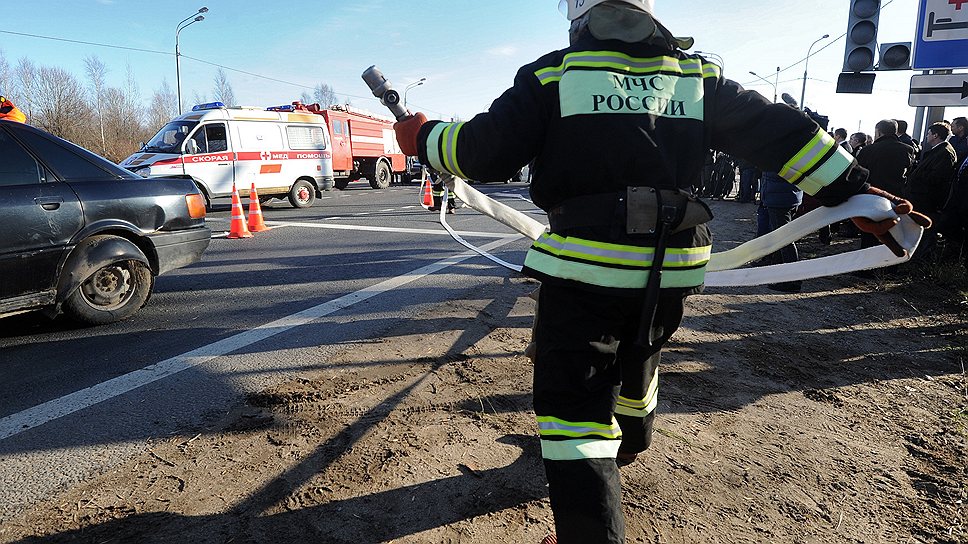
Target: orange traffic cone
256, 224
428, 196
238, 229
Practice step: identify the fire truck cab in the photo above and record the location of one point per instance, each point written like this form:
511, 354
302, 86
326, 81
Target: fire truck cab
285, 154
364, 145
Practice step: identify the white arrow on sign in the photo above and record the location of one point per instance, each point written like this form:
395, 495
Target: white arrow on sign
939, 90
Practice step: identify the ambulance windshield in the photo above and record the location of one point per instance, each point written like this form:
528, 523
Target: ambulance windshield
170, 138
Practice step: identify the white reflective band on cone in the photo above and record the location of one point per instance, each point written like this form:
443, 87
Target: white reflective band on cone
724, 267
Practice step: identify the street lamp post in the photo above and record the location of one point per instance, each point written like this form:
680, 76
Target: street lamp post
417, 83
715, 56
806, 62
195, 17
770, 83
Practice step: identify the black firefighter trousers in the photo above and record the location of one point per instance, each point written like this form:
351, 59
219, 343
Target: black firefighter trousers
585, 358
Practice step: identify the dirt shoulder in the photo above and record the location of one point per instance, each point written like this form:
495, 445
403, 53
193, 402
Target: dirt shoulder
839, 414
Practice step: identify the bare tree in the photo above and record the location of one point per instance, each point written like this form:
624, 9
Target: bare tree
26, 73
223, 89
6, 78
163, 106
198, 98
325, 95
305, 98
96, 72
124, 119
59, 104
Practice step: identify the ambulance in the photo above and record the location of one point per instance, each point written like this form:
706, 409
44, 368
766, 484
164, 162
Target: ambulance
286, 154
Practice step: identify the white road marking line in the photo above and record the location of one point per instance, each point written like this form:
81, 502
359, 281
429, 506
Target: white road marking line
442, 232
36, 416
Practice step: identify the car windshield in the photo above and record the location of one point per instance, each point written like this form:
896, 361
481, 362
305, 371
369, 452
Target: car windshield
169, 139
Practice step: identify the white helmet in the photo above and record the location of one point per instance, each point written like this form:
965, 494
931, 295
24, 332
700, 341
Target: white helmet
573, 9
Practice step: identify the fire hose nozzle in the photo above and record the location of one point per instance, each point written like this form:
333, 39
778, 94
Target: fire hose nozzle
383, 89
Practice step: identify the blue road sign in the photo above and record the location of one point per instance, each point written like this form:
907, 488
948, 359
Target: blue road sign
942, 40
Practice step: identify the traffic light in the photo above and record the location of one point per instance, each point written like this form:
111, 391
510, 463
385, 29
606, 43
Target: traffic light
861, 35
895, 56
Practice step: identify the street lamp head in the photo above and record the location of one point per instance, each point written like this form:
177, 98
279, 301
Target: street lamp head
825, 36
203, 9
200, 18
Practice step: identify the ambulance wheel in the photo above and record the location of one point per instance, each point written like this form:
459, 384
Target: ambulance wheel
341, 183
381, 175
208, 199
302, 194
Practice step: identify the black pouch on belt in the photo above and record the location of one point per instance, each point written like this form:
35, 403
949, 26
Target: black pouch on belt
661, 212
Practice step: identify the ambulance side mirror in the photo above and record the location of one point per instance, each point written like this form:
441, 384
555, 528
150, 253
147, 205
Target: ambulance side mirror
191, 146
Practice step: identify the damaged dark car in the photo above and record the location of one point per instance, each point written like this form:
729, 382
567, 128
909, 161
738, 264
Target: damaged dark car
84, 237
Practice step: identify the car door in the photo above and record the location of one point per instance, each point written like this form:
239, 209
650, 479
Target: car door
209, 159
38, 217
342, 153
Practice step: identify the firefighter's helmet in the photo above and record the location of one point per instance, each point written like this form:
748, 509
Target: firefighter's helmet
574, 9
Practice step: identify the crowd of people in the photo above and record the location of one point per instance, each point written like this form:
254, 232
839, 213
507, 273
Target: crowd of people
932, 174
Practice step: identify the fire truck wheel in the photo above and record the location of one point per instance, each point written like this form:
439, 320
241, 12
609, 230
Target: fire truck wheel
381, 175
302, 194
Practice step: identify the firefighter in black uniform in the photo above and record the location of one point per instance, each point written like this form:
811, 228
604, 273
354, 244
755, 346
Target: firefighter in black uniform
628, 241
437, 191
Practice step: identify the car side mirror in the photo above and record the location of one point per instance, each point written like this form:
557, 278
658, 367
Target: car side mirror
192, 147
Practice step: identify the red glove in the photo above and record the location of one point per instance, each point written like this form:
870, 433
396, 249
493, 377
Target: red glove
880, 228
407, 133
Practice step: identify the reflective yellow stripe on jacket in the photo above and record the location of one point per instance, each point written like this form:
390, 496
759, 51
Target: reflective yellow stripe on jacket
818, 164
614, 265
442, 148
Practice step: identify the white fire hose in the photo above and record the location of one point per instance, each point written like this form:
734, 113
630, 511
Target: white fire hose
724, 269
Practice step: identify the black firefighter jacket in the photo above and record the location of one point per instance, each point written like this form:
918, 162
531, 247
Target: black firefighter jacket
600, 116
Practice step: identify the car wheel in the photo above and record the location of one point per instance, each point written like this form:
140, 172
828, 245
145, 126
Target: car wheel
112, 293
302, 194
341, 183
381, 175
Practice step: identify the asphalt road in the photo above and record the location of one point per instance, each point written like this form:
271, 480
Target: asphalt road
77, 401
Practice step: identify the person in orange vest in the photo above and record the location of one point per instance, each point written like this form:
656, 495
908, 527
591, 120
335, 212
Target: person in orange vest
11, 112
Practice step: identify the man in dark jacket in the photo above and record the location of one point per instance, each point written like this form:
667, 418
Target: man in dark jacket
959, 138
954, 219
887, 160
749, 176
929, 184
779, 201
906, 138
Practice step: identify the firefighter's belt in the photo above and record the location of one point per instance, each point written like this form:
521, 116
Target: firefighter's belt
638, 208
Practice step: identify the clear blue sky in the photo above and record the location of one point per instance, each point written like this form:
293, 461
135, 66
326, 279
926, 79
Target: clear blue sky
468, 50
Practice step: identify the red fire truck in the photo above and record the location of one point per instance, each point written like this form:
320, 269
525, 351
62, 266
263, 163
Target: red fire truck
364, 145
